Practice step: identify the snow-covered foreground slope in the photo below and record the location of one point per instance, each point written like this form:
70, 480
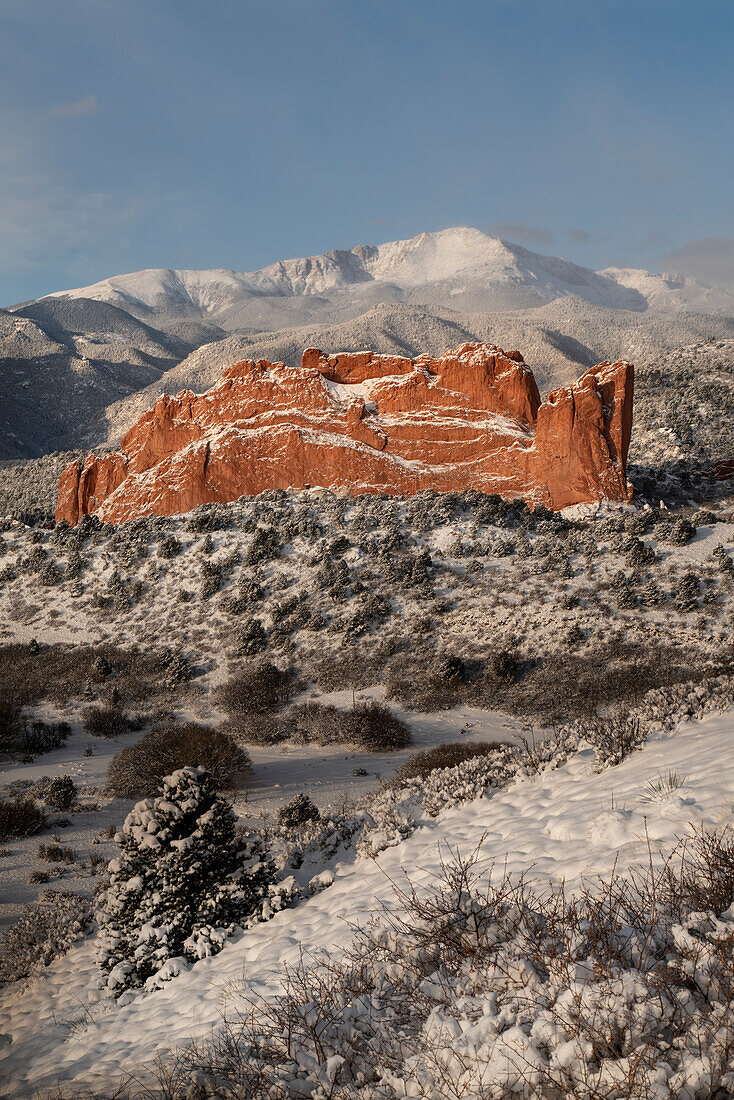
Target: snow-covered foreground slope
570, 824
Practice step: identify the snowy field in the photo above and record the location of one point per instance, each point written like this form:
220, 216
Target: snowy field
512, 591
566, 825
358, 593
279, 772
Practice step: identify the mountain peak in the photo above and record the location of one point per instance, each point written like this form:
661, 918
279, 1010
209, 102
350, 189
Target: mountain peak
460, 267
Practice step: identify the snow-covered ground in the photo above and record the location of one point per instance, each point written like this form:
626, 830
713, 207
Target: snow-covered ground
279, 772
564, 825
512, 598
282, 771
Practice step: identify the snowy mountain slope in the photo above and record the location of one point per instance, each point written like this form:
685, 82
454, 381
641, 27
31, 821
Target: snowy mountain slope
672, 292
564, 825
103, 353
558, 340
63, 361
386, 328
69, 319
461, 266
22, 338
457, 258
90, 381
27, 354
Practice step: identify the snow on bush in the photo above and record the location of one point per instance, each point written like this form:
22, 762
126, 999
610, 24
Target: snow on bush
480, 986
149, 936
307, 848
618, 733
47, 928
665, 708
183, 883
447, 755
397, 811
614, 738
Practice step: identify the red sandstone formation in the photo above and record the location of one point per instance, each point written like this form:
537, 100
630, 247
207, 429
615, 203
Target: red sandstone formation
368, 423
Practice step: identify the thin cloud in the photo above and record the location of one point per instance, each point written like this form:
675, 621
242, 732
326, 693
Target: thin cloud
580, 236
42, 217
655, 241
86, 106
519, 231
708, 259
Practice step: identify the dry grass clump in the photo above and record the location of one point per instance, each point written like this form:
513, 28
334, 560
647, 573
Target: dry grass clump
255, 729
137, 770
35, 737
370, 726
20, 816
421, 764
259, 688
60, 672
105, 721
375, 728
320, 723
56, 853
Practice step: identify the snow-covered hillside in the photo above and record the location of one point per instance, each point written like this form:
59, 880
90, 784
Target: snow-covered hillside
479, 621
669, 291
79, 366
565, 825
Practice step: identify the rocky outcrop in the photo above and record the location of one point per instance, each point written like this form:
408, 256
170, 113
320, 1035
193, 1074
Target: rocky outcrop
368, 423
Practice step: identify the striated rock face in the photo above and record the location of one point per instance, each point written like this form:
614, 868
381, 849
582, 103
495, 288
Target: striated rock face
368, 423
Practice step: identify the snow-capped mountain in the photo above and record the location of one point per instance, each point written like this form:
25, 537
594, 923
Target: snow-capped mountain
78, 367
461, 267
672, 292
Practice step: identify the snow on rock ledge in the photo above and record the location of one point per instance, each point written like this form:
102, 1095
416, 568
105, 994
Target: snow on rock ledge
371, 423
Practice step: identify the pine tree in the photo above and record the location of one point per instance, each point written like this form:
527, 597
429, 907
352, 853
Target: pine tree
621, 585
687, 592
651, 593
183, 882
250, 637
725, 563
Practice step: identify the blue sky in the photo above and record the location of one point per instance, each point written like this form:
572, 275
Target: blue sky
231, 133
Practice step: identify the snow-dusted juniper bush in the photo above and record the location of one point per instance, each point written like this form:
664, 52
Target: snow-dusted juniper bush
183, 882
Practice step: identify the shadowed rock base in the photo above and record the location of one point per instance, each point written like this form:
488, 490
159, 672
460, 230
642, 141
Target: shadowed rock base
368, 423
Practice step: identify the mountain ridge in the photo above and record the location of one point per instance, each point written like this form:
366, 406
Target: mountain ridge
451, 263
77, 371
